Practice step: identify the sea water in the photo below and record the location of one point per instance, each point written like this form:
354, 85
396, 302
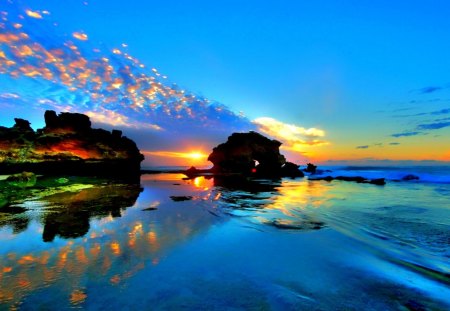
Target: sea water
213, 244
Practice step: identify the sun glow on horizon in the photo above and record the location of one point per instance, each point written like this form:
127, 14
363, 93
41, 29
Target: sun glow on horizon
179, 157
196, 155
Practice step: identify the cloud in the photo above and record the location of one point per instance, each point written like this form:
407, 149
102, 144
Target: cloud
362, 147
433, 126
292, 136
442, 111
386, 162
394, 144
430, 89
433, 113
116, 90
111, 86
406, 134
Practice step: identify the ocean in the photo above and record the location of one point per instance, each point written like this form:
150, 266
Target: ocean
172, 243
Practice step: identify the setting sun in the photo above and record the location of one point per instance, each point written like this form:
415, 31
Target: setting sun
196, 155
178, 157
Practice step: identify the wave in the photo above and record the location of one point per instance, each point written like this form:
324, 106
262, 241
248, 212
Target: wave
425, 174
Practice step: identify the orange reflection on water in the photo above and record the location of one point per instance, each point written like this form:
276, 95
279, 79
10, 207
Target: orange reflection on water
81, 255
202, 182
115, 248
95, 250
27, 259
115, 279
298, 195
153, 240
77, 296
23, 281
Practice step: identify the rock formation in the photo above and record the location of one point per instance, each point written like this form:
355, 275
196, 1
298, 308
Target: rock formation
67, 145
251, 154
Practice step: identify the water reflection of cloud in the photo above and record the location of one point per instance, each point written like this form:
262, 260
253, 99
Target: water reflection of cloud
286, 204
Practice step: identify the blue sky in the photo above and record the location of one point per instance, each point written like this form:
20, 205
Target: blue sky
349, 69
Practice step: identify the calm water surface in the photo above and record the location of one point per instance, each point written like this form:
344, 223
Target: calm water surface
262, 245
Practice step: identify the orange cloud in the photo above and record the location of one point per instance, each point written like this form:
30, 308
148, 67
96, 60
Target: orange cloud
294, 137
34, 14
80, 36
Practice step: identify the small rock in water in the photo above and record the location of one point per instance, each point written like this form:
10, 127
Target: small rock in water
300, 225
151, 208
378, 181
180, 198
410, 177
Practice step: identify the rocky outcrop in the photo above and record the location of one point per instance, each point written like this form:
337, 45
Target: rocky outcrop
310, 168
251, 154
67, 145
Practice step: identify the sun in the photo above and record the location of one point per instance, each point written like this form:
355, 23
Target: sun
195, 155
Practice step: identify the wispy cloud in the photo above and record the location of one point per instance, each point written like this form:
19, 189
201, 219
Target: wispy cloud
430, 89
442, 111
432, 113
406, 134
362, 147
394, 144
433, 126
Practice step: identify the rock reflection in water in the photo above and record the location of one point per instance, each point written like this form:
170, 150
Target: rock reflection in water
71, 212
93, 249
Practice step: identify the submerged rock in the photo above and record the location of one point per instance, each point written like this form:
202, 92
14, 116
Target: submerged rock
24, 179
297, 225
358, 179
180, 198
410, 177
67, 145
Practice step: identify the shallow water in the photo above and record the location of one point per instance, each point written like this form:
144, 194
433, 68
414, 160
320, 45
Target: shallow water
265, 245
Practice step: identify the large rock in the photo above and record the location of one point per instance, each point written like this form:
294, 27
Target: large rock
251, 154
67, 145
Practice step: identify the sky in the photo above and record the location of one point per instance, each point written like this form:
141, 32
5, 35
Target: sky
358, 82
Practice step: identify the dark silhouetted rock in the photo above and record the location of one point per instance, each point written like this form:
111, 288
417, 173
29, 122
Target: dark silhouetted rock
292, 170
192, 171
378, 181
67, 145
251, 154
22, 125
410, 177
310, 168
247, 153
66, 122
